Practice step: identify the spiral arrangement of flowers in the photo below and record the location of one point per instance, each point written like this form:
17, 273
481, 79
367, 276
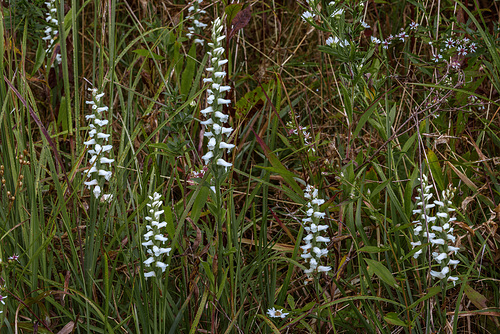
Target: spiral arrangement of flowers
315, 244
194, 16
215, 129
439, 233
154, 240
50, 32
99, 148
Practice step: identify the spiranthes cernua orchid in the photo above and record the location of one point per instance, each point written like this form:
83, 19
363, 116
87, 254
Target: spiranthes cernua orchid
99, 147
194, 14
315, 248
51, 31
154, 239
216, 131
435, 230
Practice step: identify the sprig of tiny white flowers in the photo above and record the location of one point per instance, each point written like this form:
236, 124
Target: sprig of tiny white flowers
294, 130
154, 239
439, 232
315, 244
51, 33
215, 129
194, 16
100, 163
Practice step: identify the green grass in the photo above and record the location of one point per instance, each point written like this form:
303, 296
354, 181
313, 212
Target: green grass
372, 122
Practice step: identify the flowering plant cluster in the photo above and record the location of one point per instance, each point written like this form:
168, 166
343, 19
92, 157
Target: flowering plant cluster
306, 135
436, 230
194, 15
154, 240
99, 148
51, 33
331, 20
313, 6
315, 244
451, 48
215, 125
401, 37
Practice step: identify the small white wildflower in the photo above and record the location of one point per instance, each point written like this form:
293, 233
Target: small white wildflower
223, 163
449, 43
437, 57
337, 13
274, 313
307, 15
440, 274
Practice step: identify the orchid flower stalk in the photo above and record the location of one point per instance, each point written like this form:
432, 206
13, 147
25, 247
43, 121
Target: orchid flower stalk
50, 32
154, 239
436, 230
216, 131
216, 134
194, 16
315, 244
99, 147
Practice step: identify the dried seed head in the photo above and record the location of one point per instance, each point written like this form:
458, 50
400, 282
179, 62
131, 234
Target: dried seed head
21, 177
25, 151
8, 193
3, 181
13, 198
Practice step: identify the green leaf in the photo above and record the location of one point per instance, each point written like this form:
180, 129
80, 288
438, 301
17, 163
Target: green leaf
435, 168
199, 313
476, 298
39, 58
364, 118
269, 323
188, 74
199, 204
373, 249
231, 12
291, 301
148, 54
409, 143
409, 191
170, 221
380, 187
430, 293
278, 166
393, 319
382, 272
208, 271
308, 306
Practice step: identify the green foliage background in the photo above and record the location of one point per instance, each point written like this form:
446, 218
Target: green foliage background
377, 119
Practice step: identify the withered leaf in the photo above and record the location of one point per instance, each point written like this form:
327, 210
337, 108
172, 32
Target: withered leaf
240, 21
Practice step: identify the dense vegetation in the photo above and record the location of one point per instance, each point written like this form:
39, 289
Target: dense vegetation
256, 167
